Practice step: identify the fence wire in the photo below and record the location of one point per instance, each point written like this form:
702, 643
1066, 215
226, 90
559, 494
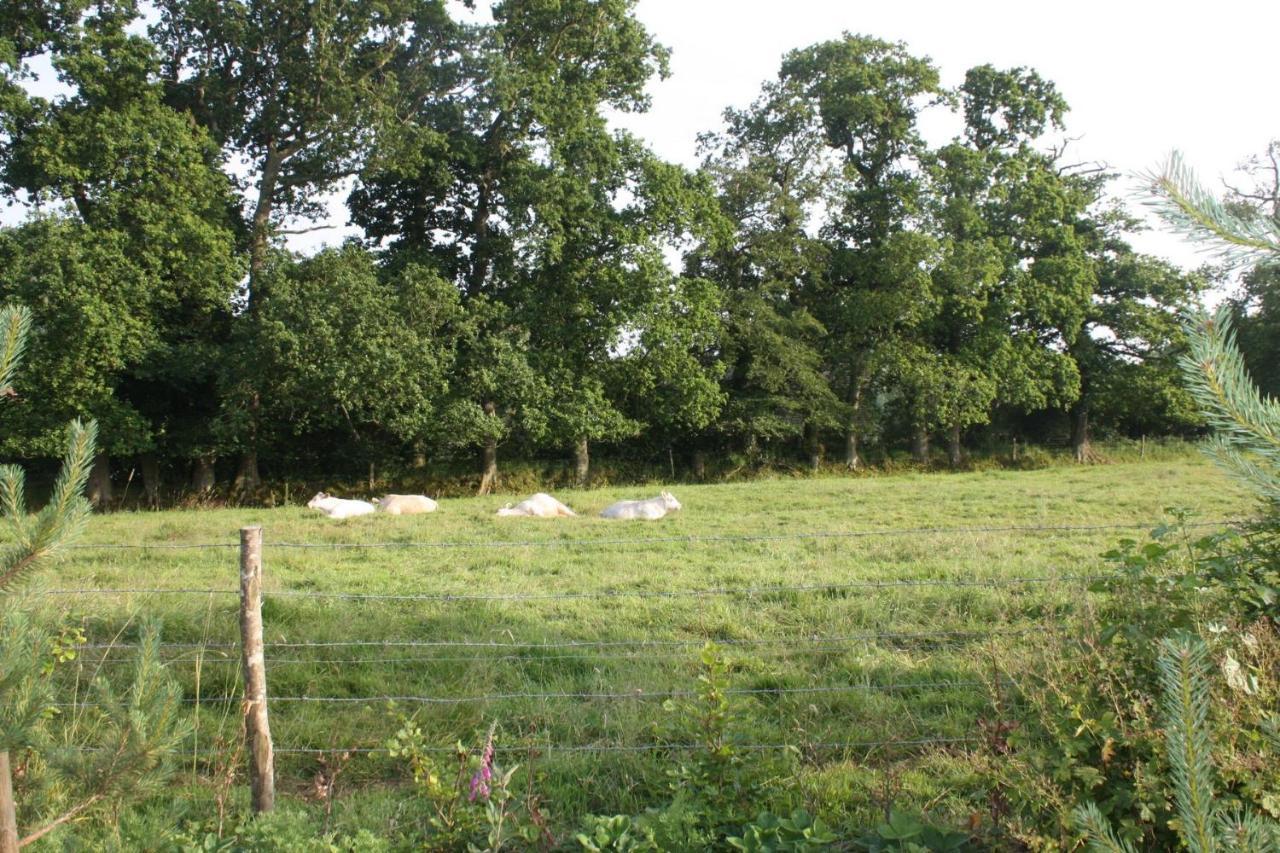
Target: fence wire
798, 642
547, 748
620, 696
711, 592
782, 650
658, 540
524, 653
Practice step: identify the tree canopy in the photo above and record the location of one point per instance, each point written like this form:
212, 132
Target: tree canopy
528, 275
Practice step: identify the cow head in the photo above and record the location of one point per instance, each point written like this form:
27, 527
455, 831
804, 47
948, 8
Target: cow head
669, 501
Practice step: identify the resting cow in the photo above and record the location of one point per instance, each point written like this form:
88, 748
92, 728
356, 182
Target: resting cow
339, 507
405, 504
650, 509
540, 505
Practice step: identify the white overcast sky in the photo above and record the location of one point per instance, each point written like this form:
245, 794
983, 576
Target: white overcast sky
1142, 78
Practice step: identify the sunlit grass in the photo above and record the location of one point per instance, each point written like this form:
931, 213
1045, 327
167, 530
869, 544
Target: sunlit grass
938, 574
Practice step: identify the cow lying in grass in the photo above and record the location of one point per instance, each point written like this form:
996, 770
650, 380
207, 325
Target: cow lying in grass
339, 507
540, 505
650, 509
405, 504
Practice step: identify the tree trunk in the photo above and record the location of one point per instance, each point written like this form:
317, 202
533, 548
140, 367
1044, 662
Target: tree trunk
419, 456
1080, 446
813, 447
489, 459
202, 476
920, 445
699, 464
489, 465
8, 810
955, 450
247, 478
150, 478
100, 481
581, 461
852, 460
260, 237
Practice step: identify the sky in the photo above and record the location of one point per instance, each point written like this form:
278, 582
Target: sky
1141, 79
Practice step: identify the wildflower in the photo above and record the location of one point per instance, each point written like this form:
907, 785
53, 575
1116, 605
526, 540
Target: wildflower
480, 781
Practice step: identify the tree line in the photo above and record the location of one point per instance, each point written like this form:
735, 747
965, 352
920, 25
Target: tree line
529, 279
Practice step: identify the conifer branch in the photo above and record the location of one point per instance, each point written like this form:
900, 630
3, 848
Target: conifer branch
12, 498
1180, 200
1184, 667
61, 520
1247, 425
1100, 837
15, 325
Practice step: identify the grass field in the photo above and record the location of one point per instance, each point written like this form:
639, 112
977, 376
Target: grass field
588, 606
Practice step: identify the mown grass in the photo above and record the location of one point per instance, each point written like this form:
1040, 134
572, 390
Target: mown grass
935, 559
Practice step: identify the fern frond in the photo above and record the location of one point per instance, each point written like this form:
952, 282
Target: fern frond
1184, 669
1181, 201
15, 326
1099, 836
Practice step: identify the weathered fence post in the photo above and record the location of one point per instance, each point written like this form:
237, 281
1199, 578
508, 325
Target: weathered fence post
262, 773
8, 813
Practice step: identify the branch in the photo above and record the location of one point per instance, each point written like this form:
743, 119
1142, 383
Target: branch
1184, 204
1094, 167
292, 231
66, 816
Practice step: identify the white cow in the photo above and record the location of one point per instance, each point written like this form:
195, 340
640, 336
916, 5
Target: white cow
339, 507
650, 509
405, 504
540, 505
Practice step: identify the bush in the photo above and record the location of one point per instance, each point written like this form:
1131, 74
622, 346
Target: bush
1088, 724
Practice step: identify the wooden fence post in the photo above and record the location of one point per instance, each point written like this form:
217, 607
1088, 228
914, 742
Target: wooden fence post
262, 773
8, 813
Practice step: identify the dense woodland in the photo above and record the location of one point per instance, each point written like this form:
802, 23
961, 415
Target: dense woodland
531, 282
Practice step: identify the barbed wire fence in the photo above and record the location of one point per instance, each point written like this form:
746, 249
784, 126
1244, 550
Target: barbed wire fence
254, 654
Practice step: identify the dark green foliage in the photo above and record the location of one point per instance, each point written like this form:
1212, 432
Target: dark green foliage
340, 349
1204, 824
132, 280
840, 278
1090, 728
1256, 319
801, 832
34, 540
907, 832
119, 748
284, 830
90, 299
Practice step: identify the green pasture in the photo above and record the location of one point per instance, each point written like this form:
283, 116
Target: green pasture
878, 640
